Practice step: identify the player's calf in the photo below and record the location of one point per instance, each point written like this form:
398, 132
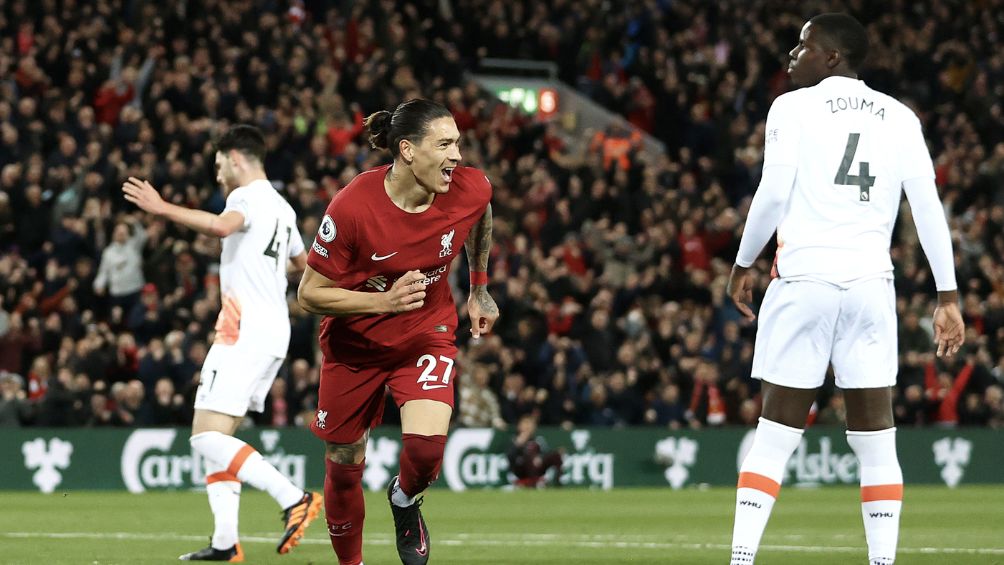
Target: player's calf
881, 491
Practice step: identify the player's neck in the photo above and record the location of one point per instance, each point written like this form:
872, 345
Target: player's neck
404, 191
844, 74
244, 179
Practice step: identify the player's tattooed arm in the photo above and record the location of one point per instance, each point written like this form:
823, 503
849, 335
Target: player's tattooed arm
481, 306
479, 242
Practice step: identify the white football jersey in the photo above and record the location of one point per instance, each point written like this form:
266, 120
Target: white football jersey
852, 148
253, 270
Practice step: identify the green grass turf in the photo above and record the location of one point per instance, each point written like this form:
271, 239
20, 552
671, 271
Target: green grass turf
940, 526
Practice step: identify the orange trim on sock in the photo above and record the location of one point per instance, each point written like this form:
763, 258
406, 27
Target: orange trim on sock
881, 492
760, 483
238, 461
220, 477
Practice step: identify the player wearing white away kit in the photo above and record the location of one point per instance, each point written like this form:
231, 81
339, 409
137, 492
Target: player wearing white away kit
837, 156
260, 243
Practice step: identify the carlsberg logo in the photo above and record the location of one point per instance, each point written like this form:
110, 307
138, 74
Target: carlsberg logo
814, 462
465, 461
148, 461
469, 461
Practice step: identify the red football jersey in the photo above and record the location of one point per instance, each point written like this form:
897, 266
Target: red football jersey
365, 243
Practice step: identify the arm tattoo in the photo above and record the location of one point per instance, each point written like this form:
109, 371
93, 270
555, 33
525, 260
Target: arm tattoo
479, 242
479, 246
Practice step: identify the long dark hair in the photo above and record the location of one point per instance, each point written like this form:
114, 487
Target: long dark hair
410, 121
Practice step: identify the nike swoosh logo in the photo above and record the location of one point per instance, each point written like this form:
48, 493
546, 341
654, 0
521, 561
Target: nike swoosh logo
422, 550
376, 257
427, 386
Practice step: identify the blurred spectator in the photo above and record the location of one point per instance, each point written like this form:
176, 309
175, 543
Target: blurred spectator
60, 407
120, 273
147, 318
39, 379
834, 413
910, 409
167, 408
130, 409
18, 343
667, 410
14, 408
277, 411
944, 391
479, 407
707, 406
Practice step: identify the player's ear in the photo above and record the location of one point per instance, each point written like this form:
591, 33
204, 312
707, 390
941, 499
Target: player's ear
407, 150
236, 158
833, 58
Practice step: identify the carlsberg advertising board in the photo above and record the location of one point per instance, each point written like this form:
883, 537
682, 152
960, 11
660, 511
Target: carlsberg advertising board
139, 460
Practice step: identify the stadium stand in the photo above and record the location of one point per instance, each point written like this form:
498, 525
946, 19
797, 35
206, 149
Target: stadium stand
609, 270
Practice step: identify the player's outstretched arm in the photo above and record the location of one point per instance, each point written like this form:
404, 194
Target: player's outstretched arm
320, 295
145, 196
480, 305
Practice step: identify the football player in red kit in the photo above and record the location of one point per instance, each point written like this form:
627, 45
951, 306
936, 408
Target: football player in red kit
377, 271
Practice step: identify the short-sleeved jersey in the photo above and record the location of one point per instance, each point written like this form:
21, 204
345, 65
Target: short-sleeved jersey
852, 148
366, 242
253, 270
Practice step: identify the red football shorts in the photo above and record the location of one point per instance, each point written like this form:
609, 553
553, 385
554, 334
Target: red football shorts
351, 394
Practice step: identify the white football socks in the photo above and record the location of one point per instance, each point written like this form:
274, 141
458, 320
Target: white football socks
242, 460
759, 483
881, 491
398, 498
224, 492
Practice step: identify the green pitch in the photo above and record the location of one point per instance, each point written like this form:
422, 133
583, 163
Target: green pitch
940, 526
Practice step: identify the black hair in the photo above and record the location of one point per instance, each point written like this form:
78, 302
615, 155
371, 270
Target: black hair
844, 33
249, 140
410, 121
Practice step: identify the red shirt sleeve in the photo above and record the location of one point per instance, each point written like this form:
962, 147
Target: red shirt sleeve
333, 250
483, 188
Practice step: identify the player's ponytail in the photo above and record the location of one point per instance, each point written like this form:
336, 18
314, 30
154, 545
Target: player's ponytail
377, 128
410, 121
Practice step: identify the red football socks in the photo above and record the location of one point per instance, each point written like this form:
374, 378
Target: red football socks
345, 510
421, 459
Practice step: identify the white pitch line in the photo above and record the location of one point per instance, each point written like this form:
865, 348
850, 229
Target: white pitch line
599, 541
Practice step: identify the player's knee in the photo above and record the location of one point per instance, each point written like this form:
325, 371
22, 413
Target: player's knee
344, 477
200, 442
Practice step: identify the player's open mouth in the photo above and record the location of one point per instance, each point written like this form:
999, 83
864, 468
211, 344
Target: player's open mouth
447, 174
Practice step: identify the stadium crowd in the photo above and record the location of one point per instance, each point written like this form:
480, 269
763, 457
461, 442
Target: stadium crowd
609, 270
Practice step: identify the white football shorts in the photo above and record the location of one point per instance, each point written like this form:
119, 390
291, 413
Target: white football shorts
805, 325
235, 379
